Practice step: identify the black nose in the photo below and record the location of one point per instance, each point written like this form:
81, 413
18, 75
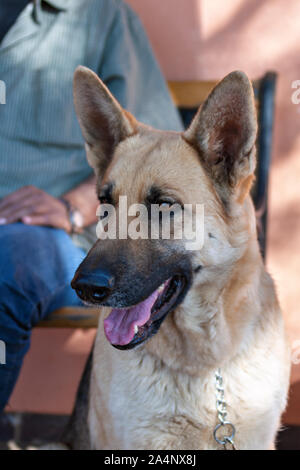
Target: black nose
93, 287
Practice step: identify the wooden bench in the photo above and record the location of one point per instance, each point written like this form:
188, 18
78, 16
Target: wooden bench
188, 96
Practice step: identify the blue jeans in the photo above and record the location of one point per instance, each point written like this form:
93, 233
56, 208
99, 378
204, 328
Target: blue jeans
36, 267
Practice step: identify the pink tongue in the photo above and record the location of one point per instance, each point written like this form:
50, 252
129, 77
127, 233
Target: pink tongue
119, 325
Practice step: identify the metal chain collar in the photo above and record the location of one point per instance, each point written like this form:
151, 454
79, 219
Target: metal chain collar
224, 432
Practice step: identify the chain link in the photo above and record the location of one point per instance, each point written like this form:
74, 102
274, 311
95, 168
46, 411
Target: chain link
226, 438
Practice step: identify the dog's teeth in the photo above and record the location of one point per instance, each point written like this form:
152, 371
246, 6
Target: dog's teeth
161, 288
136, 329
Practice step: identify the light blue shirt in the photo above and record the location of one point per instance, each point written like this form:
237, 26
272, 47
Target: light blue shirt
40, 139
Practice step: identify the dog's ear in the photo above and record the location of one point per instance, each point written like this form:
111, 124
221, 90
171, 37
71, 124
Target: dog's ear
104, 123
224, 133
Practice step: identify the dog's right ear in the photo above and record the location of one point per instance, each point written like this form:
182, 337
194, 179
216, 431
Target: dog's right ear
224, 134
104, 123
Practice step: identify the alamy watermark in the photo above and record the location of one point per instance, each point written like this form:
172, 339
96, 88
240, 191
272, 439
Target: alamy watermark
156, 221
2, 92
295, 98
2, 352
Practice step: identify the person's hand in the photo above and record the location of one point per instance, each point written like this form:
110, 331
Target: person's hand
32, 206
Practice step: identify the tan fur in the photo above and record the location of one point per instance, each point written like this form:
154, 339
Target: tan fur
161, 395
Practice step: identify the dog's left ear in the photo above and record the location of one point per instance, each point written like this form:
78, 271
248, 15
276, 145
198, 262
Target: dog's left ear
104, 123
224, 133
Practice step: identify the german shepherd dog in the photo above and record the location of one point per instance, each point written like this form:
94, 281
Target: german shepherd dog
170, 317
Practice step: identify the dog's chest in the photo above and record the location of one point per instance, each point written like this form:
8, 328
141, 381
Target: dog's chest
147, 407
151, 407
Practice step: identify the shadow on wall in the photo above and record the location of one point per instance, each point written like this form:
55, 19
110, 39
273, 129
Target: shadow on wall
206, 40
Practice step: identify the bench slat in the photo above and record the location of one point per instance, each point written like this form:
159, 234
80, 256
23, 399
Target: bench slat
72, 317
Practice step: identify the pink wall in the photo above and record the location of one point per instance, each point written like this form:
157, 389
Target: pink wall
204, 39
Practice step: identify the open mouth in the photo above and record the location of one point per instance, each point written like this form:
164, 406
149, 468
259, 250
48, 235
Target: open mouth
125, 328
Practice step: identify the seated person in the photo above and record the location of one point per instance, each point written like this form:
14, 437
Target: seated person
47, 191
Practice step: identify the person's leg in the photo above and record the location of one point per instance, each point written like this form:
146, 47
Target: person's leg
36, 267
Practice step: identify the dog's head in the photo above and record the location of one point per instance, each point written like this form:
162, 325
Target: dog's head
145, 280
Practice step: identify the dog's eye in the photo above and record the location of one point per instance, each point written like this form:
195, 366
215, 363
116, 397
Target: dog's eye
104, 215
104, 200
169, 207
105, 194
165, 204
